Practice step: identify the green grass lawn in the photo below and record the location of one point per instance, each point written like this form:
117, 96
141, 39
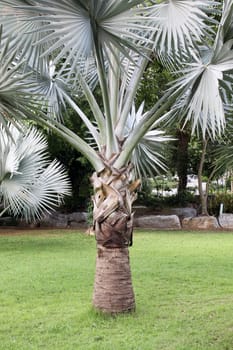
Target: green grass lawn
183, 285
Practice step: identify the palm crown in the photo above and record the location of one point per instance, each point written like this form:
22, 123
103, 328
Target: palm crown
73, 45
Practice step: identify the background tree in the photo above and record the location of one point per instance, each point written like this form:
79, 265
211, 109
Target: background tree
72, 45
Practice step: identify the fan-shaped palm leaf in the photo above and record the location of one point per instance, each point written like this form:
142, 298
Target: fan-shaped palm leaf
205, 85
29, 184
147, 156
21, 30
80, 29
14, 82
180, 23
203, 103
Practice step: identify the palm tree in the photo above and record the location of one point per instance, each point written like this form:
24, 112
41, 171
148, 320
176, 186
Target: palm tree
54, 51
30, 185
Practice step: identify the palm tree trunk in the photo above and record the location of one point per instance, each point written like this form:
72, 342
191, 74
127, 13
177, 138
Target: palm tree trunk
113, 290
113, 226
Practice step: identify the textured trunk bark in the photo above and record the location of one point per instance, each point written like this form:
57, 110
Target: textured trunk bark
113, 226
113, 291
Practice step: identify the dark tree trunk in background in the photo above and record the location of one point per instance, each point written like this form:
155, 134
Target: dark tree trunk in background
203, 193
183, 138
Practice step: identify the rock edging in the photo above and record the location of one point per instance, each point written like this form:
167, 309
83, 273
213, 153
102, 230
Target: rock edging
168, 222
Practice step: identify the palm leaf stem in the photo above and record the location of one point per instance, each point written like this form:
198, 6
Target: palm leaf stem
114, 75
87, 122
75, 141
111, 142
144, 125
4, 210
97, 113
126, 101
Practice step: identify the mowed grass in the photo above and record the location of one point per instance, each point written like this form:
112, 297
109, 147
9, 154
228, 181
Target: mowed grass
183, 285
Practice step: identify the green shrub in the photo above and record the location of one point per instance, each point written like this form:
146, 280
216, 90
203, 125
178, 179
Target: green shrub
182, 199
215, 200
